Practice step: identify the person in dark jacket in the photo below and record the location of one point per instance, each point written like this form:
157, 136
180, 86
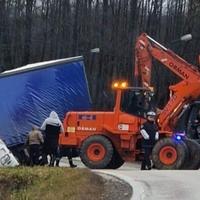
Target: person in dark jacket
149, 132
34, 140
52, 127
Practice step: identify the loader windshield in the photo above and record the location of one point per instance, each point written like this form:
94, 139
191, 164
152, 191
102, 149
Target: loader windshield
137, 102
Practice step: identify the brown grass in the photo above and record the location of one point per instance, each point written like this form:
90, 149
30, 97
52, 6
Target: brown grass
46, 183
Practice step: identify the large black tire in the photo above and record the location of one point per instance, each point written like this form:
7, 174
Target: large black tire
193, 160
116, 161
96, 152
169, 154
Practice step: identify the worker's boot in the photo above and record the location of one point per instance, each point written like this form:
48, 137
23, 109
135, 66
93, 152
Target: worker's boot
153, 167
143, 166
149, 168
57, 162
52, 160
72, 165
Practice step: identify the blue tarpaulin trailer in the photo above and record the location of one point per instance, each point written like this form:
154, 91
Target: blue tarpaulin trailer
28, 94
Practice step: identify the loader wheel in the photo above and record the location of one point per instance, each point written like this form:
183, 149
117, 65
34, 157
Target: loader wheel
96, 152
116, 161
169, 154
193, 160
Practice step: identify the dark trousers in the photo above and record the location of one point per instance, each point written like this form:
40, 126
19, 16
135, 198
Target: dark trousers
50, 147
34, 154
146, 163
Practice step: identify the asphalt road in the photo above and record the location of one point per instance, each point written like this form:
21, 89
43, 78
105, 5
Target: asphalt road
157, 184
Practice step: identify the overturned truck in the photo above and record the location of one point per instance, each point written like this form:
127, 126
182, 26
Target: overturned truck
29, 93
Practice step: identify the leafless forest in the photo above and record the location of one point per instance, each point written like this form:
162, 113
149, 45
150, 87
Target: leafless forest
37, 30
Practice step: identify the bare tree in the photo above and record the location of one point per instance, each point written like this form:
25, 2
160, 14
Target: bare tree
35, 30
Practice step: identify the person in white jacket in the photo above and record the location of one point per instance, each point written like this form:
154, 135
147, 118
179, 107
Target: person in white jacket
150, 134
53, 120
52, 127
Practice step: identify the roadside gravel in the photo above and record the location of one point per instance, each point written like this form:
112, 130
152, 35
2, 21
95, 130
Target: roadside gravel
115, 188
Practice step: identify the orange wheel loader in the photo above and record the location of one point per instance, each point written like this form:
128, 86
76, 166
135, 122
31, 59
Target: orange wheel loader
108, 139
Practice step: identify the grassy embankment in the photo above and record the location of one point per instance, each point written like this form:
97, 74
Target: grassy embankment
44, 183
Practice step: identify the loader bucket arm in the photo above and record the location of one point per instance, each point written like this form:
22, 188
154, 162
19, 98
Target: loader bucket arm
143, 63
182, 93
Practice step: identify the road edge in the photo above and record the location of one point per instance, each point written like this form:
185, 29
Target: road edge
138, 192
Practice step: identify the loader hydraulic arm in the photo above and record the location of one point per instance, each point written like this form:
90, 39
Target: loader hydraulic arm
182, 93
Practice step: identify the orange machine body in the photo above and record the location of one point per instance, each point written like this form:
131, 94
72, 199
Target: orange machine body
119, 127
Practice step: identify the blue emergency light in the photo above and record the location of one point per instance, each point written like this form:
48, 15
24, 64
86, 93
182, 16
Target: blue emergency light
178, 137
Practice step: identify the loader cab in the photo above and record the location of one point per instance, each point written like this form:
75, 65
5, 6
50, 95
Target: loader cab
137, 101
